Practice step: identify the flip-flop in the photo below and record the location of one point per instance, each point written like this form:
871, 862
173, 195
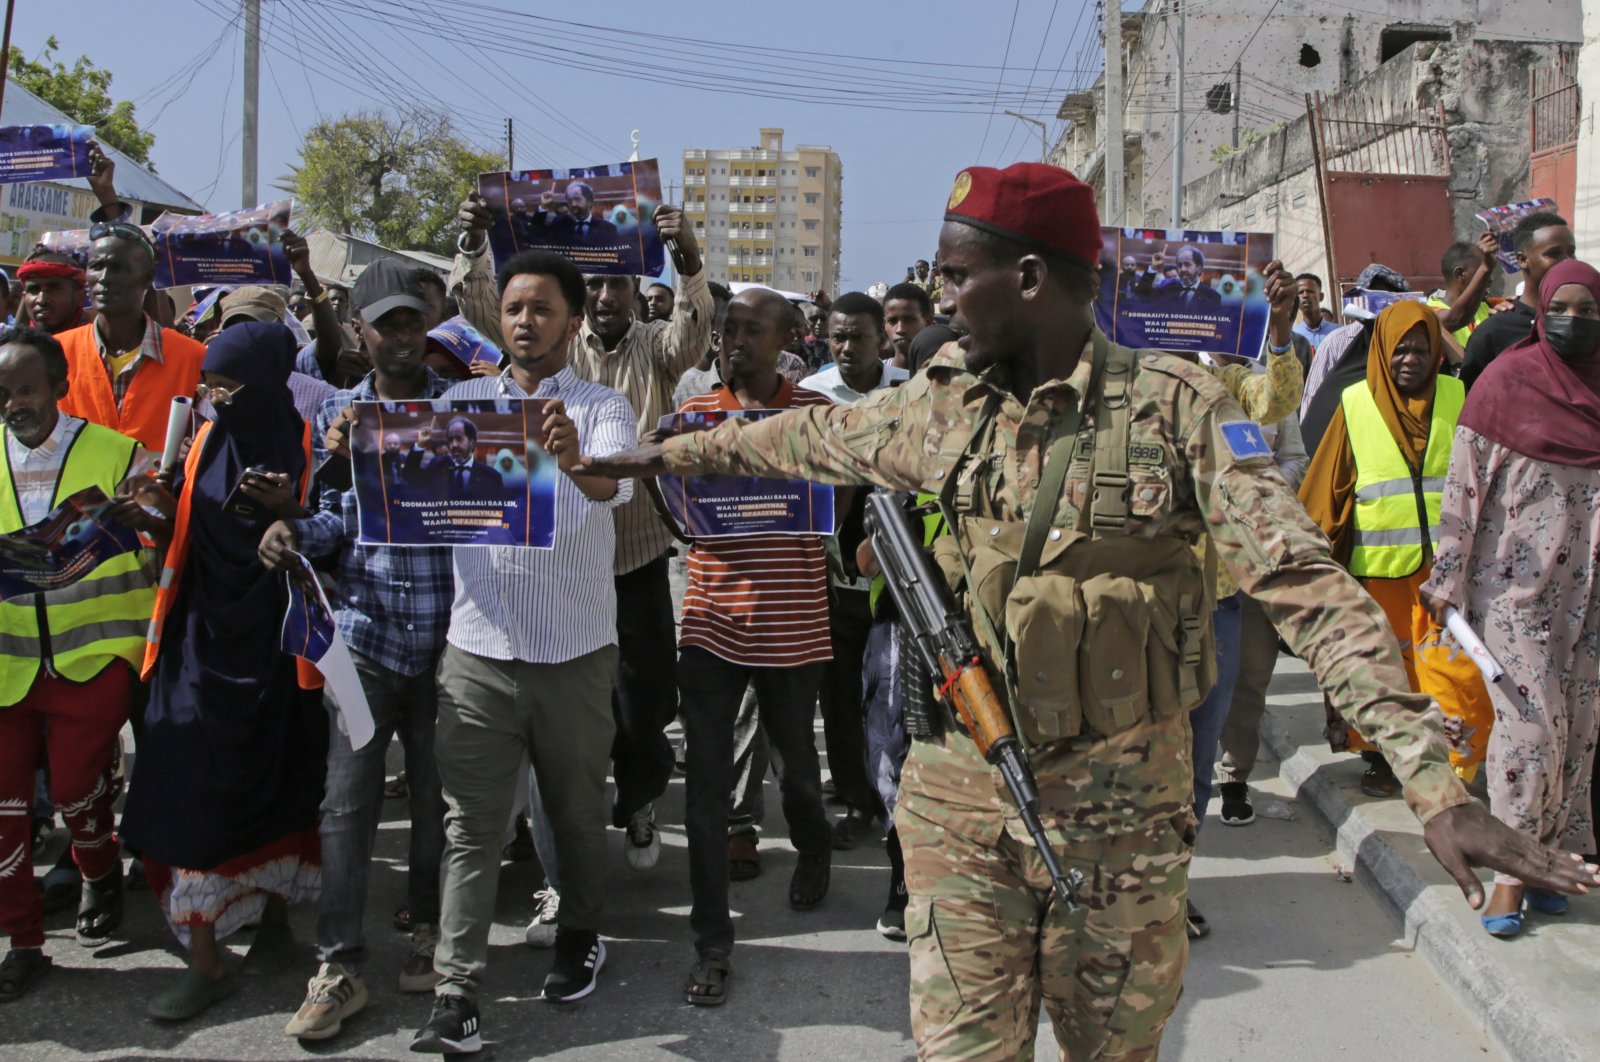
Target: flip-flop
194, 992
710, 972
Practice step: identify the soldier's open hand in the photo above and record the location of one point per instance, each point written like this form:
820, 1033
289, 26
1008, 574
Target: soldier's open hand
1466, 836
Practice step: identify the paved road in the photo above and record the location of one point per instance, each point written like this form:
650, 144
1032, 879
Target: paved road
1300, 965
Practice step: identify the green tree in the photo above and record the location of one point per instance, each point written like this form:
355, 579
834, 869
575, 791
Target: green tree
393, 180
83, 93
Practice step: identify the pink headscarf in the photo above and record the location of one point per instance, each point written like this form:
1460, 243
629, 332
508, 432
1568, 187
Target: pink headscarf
1531, 401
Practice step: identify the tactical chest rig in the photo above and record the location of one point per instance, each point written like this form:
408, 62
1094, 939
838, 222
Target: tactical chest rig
1095, 631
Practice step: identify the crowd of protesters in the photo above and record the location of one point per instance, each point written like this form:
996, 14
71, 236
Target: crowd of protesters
1446, 446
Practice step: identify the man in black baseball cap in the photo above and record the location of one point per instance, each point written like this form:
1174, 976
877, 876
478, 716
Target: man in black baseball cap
393, 610
387, 285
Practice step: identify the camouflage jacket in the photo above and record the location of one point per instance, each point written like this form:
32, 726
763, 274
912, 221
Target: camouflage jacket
909, 437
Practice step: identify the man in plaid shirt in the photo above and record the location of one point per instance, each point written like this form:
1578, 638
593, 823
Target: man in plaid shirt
393, 608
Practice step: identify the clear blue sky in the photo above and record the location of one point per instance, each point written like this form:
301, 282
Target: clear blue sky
856, 60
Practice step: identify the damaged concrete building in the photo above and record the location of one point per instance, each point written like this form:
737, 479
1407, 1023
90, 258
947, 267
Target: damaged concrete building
1298, 114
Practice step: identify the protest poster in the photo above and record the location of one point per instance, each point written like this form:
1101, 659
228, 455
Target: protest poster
238, 247
1359, 302
309, 632
718, 506
72, 242
44, 152
598, 217
73, 540
1184, 290
463, 472
1502, 220
461, 341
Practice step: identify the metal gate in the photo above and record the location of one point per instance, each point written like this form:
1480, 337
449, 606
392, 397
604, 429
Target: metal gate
1383, 175
1553, 115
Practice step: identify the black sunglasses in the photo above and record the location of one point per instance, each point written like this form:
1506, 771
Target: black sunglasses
121, 229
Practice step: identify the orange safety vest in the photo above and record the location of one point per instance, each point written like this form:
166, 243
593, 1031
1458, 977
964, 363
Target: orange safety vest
149, 397
177, 553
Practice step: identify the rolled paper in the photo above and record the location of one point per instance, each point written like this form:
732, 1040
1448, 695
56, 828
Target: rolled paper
177, 431
1468, 639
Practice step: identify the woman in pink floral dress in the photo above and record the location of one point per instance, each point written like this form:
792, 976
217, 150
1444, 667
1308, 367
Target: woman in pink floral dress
1519, 546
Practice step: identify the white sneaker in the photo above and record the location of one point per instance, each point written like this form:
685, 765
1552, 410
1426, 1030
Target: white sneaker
542, 930
644, 840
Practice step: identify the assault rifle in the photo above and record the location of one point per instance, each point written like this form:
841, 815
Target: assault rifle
944, 640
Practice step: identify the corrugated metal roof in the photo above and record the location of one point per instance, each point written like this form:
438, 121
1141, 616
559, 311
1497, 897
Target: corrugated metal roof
134, 181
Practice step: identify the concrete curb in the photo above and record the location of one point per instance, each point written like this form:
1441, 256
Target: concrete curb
1469, 962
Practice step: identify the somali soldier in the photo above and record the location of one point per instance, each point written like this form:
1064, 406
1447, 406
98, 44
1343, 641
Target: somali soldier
1152, 453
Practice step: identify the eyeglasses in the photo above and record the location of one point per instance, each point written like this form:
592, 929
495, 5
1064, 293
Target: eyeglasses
217, 396
121, 229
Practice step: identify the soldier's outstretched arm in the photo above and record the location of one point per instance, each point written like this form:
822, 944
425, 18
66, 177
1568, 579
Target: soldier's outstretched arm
1280, 558
878, 440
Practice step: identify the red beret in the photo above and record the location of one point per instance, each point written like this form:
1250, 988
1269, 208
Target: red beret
1042, 205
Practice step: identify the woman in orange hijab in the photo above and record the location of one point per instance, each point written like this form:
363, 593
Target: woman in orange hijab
1375, 487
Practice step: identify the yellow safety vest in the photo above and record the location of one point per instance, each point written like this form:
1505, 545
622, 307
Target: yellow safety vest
1465, 333
1397, 507
79, 629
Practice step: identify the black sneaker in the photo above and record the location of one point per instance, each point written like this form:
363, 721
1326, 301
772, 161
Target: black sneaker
1236, 807
579, 956
452, 1028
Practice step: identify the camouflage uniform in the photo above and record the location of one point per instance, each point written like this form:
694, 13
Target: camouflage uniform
987, 943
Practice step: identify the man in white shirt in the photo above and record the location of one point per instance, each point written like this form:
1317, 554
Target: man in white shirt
529, 665
856, 338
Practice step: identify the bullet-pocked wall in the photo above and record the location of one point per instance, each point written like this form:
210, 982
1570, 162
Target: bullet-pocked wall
1482, 87
1249, 65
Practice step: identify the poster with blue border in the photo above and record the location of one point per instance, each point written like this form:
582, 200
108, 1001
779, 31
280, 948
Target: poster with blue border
719, 506
1502, 221
235, 248
74, 539
598, 217
454, 472
44, 152
1185, 290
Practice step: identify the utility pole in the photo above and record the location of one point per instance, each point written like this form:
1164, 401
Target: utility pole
1114, 97
1179, 8
511, 146
252, 99
1044, 142
1238, 86
5, 51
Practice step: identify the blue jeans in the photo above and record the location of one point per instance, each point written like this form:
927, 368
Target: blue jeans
1207, 720
352, 807
887, 743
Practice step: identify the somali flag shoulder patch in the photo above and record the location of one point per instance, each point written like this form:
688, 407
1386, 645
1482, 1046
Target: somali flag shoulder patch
1244, 438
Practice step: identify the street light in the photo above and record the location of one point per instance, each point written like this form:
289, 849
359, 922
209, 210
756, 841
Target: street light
1044, 144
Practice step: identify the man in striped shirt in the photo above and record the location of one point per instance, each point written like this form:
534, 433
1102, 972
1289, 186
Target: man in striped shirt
529, 665
643, 360
755, 612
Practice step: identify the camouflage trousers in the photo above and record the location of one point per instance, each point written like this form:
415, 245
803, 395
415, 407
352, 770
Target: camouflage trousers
989, 943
